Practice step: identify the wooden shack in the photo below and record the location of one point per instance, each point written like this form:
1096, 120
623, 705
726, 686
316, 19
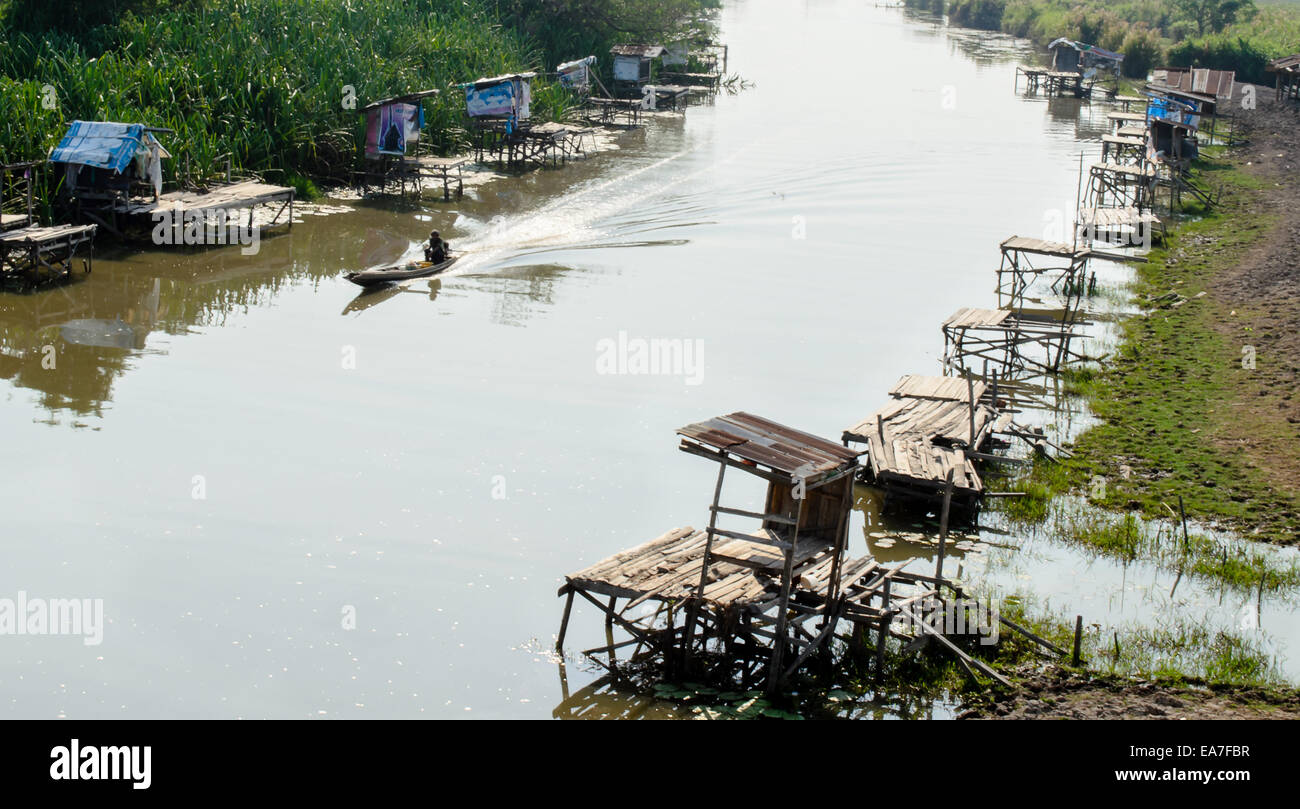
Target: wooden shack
634, 66
113, 176
1088, 61
394, 152
1287, 73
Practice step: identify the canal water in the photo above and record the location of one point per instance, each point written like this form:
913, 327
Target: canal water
297, 503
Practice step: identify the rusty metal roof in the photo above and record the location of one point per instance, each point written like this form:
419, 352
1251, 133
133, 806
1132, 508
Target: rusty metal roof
643, 51
781, 448
1202, 81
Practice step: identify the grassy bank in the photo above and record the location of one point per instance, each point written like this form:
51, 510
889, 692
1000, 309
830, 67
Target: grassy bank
1150, 34
266, 81
1181, 403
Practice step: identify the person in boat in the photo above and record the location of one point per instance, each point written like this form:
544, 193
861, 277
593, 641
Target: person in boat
437, 250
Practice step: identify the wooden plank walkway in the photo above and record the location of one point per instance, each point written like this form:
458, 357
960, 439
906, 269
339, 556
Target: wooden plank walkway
235, 196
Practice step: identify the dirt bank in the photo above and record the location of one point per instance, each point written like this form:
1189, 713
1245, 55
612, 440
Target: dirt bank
1064, 694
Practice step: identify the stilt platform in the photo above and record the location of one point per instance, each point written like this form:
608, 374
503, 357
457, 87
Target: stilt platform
1122, 185
1011, 342
1128, 101
709, 80
1122, 226
1053, 82
753, 607
36, 254
1018, 269
1121, 119
1123, 149
620, 113
447, 171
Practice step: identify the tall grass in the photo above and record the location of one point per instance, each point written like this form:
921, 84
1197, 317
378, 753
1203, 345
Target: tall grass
260, 80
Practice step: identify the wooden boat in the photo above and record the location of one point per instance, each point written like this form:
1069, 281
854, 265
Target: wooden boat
388, 275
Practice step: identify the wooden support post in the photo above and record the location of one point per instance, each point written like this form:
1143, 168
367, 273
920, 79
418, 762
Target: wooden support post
693, 611
943, 527
564, 622
1078, 640
1183, 515
783, 605
970, 396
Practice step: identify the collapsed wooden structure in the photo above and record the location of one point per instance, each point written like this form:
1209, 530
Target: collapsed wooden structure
752, 606
924, 444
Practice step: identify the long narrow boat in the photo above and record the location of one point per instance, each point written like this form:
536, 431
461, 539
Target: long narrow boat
388, 275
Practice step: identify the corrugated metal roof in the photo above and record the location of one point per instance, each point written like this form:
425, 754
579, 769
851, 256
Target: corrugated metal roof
781, 448
1209, 83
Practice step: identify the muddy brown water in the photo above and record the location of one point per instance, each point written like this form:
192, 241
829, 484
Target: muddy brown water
298, 503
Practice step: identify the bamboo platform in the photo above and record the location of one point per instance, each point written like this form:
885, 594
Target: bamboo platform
1021, 265
1127, 101
36, 254
620, 113
1127, 117
709, 80
740, 608
1120, 226
1121, 185
1053, 82
1123, 149
1012, 342
440, 170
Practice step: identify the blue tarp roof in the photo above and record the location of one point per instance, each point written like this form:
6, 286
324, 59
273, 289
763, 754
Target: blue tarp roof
101, 144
